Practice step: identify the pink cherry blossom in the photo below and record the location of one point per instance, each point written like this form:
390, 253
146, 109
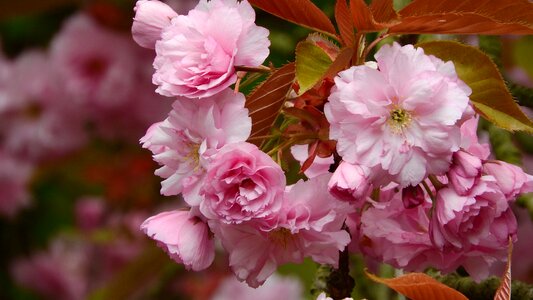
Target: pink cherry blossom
310, 225
34, 111
184, 237
150, 19
196, 54
242, 183
404, 117
289, 288
470, 141
511, 179
184, 141
319, 166
478, 225
14, 184
350, 182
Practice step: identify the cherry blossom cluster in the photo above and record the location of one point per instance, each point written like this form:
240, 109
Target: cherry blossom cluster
409, 183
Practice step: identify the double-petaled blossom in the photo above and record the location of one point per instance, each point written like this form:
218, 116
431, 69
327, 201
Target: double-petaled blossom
478, 225
197, 54
242, 183
403, 117
511, 179
185, 237
193, 131
309, 225
276, 286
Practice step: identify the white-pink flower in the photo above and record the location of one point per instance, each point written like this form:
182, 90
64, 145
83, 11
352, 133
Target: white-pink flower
185, 237
242, 183
193, 132
310, 225
197, 53
403, 117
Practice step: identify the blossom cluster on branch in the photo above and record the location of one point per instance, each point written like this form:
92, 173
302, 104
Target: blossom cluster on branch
393, 165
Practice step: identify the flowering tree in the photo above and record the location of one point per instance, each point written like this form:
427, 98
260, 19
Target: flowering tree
386, 139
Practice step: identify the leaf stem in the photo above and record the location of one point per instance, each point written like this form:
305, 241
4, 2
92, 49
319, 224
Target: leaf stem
259, 69
373, 44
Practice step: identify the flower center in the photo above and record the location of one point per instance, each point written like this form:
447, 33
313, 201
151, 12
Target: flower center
280, 236
399, 119
194, 156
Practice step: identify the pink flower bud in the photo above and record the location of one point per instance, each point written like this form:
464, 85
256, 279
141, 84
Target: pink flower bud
464, 172
413, 196
150, 19
350, 182
511, 179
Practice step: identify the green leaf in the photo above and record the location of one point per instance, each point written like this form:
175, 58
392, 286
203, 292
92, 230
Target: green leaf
490, 96
311, 64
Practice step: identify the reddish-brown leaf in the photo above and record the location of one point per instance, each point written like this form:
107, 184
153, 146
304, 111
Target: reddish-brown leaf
419, 286
383, 11
365, 21
344, 22
467, 17
301, 12
504, 290
265, 102
341, 62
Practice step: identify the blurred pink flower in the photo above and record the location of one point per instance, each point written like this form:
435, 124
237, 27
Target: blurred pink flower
242, 183
34, 110
404, 117
184, 237
511, 179
310, 225
193, 132
151, 17
59, 273
275, 286
350, 182
196, 55
319, 166
89, 213
14, 184
99, 67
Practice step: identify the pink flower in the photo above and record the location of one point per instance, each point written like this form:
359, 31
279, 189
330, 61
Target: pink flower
242, 183
478, 225
511, 179
59, 273
464, 172
413, 196
89, 212
404, 117
184, 237
103, 72
183, 142
319, 166
34, 111
350, 182
275, 286
150, 19
396, 235
310, 225
469, 139
196, 54
14, 184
